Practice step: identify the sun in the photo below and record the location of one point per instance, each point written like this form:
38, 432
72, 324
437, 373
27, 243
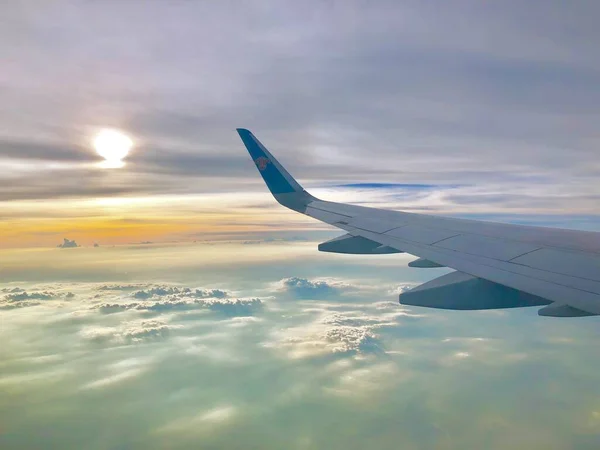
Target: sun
113, 146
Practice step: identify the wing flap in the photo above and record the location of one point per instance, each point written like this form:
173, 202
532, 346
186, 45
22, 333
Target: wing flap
582, 294
460, 291
355, 245
563, 310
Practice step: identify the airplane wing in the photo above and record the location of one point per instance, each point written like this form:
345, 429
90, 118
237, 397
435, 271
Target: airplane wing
496, 265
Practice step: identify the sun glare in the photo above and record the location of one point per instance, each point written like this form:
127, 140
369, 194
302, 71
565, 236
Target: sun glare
113, 146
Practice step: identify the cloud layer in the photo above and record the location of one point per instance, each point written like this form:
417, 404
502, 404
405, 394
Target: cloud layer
269, 355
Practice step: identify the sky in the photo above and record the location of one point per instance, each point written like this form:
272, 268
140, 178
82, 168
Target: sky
170, 301
495, 105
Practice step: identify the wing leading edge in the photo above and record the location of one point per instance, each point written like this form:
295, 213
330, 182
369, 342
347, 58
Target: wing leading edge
497, 265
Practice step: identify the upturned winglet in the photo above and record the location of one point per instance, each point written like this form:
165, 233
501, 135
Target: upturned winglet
282, 185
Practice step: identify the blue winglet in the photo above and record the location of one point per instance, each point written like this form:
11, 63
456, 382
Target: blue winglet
278, 180
282, 185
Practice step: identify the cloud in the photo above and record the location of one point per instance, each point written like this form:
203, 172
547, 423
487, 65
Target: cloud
397, 290
272, 240
121, 287
147, 330
310, 289
395, 186
15, 289
359, 357
200, 423
98, 335
31, 296
237, 307
176, 292
327, 288
353, 339
68, 244
20, 298
229, 307
349, 332
18, 304
116, 379
110, 308
134, 332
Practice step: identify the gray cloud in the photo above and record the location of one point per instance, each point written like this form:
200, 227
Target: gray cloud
51, 182
12, 290
20, 298
18, 304
67, 243
402, 92
41, 151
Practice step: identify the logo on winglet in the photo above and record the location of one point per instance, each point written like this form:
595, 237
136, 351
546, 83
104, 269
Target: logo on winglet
262, 163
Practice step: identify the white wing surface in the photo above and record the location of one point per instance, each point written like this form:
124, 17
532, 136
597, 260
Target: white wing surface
497, 265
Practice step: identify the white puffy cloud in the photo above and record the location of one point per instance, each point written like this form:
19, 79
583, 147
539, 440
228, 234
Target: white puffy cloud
18, 304
311, 289
30, 296
234, 307
147, 330
12, 290
177, 292
348, 332
20, 298
353, 339
230, 307
129, 332
97, 334
397, 290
